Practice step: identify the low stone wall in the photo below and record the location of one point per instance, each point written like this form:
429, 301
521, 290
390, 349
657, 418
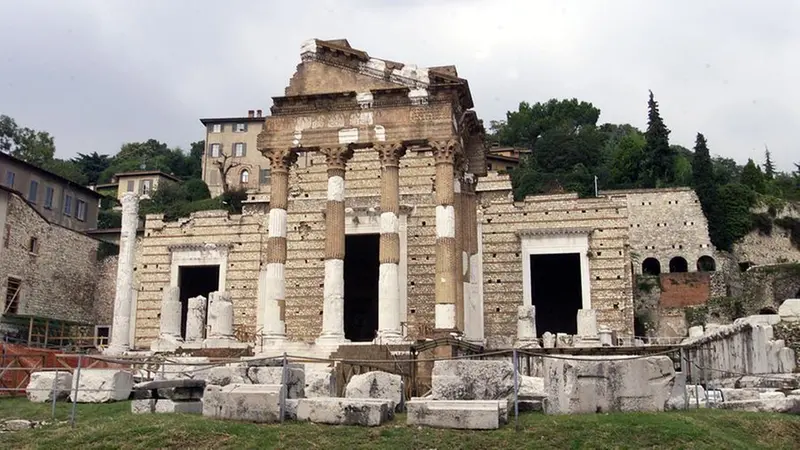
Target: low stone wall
743, 348
789, 333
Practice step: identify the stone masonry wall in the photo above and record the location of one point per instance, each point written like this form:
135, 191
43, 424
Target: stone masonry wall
60, 277
777, 248
609, 263
666, 223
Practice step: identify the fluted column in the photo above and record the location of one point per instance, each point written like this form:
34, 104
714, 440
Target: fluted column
272, 300
121, 325
446, 270
333, 291
389, 278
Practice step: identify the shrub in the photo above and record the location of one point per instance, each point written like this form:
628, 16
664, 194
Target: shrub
761, 222
196, 189
108, 218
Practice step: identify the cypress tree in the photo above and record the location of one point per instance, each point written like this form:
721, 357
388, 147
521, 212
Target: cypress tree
752, 177
660, 158
769, 168
703, 177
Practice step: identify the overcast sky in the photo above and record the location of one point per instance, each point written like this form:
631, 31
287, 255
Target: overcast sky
99, 73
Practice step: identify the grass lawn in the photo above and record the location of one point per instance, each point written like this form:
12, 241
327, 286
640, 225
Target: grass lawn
113, 426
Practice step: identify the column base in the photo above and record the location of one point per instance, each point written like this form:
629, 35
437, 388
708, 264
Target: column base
166, 344
224, 342
586, 341
390, 337
116, 350
527, 343
272, 340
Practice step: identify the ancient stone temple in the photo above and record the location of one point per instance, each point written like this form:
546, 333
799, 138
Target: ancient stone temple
375, 220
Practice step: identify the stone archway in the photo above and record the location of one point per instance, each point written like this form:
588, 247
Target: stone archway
706, 264
651, 266
678, 264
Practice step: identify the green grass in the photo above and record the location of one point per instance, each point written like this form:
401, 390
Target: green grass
113, 426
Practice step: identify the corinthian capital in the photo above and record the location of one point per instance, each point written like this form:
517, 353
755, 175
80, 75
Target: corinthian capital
390, 153
336, 157
445, 151
280, 158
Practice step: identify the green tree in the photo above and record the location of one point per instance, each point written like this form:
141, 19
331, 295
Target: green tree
659, 157
753, 178
29, 145
706, 188
623, 154
769, 168
726, 170
92, 165
735, 201
66, 169
524, 127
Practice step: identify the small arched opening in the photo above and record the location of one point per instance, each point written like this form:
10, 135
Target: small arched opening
706, 264
651, 266
678, 264
767, 310
244, 177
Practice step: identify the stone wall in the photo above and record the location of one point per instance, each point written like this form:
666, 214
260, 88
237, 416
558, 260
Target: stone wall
775, 248
766, 287
684, 289
60, 277
609, 261
666, 223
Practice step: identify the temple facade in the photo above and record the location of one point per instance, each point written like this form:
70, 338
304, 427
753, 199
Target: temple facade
391, 230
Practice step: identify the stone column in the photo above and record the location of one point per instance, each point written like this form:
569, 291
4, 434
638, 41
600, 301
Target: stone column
458, 261
526, 326
196, 319
170, 323
272, 299
472, 306
389, 280
121, 325
333, 290
220, 320
446, 270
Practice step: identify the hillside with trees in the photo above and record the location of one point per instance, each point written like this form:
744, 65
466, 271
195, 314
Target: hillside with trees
569, 148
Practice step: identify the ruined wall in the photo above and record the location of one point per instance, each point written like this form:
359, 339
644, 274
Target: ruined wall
105, 289
59, 277
246, 238
609, 262
684, 289
775, 248
666, 223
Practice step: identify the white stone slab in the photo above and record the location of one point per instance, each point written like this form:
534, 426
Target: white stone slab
101, 385
472, 380
457, 414
41, 384
163, 405
377, 384
295, 378
344, 411
259, 403
789, 404
789, 311
319, 383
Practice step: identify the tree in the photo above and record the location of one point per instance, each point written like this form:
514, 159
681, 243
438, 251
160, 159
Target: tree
225, 163
67, 169
659, 157
752, 177
524, 127
706, 189
769, 168
92, 165
31, 146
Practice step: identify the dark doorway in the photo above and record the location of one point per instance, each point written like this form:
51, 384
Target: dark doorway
556, 291
194, 281
361, 266
706, 264
678, 264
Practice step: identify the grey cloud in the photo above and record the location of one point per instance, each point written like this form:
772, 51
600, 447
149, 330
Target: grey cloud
99, 73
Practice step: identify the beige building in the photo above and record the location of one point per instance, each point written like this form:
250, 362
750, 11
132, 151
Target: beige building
56, 198
376, 222
503, 159
142, 182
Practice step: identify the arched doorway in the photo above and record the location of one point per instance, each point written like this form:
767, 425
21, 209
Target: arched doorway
678, 264
706, 264
651, 266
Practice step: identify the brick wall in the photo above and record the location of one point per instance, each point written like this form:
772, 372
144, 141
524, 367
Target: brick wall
60, 277
684, 289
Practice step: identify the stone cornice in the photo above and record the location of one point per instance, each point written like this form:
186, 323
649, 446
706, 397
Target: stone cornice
225, 246
553, 231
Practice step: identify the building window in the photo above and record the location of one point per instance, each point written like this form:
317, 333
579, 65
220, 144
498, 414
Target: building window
48, 197
245, 176
146, 186
130, 185
14, 286
68, 205
240, 127
33, 245
239, 149
263, 176
216, 128
33, 191
101, 334
215, 150
10, 179
80, 210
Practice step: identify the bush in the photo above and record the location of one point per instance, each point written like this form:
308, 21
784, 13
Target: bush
108, 218
232, 200
793, 226
195, 189
761, 222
